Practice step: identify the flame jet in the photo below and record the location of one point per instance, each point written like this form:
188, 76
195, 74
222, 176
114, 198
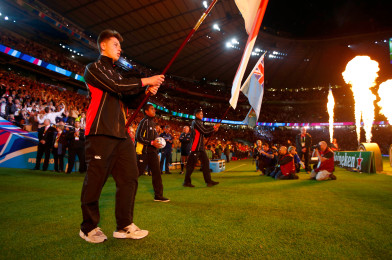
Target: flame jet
361, 73
330, 108
385, 94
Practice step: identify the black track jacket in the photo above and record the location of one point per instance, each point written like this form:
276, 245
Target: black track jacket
198, 131
111, 95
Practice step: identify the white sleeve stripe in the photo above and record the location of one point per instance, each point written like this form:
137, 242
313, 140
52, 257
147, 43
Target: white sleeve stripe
112, 79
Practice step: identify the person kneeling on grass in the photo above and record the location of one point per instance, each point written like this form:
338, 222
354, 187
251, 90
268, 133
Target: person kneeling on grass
326, 166
286, 170
297, 161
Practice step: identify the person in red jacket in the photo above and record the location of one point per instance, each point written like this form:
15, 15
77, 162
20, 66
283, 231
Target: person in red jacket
109, 148
198, 132
286, 165
326, 166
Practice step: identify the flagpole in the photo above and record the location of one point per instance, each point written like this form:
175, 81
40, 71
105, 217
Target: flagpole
194, 29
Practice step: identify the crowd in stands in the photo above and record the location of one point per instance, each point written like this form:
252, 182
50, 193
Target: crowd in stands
36, 50
23, 102
289, 103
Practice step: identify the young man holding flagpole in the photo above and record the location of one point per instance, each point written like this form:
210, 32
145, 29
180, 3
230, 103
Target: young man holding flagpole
109, 148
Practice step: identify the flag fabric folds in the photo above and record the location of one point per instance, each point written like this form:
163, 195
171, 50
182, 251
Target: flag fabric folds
247, 9
250, 118
253, 87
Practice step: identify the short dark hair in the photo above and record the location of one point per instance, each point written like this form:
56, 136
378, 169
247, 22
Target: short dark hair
146, 107
197, 111
106, 35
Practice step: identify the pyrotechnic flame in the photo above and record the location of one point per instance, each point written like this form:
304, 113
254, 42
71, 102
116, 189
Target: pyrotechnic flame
361, 72
385, 94
330, 107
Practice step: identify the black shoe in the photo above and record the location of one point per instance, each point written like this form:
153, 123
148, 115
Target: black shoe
190, 185
181, 172
332, 176
212, 183
167, 172
161, 199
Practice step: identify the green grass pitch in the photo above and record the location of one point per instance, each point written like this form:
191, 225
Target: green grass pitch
245, 216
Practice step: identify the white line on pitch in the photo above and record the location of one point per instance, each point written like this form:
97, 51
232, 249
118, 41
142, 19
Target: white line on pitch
235, 167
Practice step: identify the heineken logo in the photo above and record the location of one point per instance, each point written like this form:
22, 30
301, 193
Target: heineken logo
360, 161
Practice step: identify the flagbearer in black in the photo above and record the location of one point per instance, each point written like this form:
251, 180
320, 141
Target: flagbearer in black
147, 151
109, 148
198, 131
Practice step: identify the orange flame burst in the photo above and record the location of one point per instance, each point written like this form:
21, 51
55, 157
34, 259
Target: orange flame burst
385, 94
361, 73
330, 108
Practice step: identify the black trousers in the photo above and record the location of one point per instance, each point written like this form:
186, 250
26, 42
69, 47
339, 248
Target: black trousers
306, 158
108, 155
151, 160
190, 166
58, 160
80, 152
41, 150
227, 157
165, 155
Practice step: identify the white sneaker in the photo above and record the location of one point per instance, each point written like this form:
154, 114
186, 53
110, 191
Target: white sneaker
94, 236
131, 231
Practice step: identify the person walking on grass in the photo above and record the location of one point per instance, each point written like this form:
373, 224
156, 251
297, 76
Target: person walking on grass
198, 131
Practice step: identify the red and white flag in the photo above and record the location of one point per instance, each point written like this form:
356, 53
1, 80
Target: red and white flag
253, 13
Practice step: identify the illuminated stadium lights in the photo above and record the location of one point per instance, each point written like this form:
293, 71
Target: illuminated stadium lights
232, 44
271, 56
234, 41
6, 18
216, 27
205, 4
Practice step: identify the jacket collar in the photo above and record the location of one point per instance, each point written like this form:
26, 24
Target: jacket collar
106, 59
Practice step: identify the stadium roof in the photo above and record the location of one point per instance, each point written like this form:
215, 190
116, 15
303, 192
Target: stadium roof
313, 40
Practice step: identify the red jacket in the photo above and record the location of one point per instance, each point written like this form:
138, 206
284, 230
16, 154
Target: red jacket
287, 165
329, 164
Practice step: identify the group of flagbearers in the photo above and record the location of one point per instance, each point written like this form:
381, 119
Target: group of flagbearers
147, 150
